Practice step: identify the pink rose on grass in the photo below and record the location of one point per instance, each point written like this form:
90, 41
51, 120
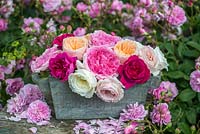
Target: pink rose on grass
14, 85
109, 90
81, 7
59, 39
38, 112
79, 31
133, 71
41, 63
102, 61
167, 91
31, 93
16, 105
101, 38
195, 80
160, 114
62, 66
50, 5
133, 112
176, 16
3, 25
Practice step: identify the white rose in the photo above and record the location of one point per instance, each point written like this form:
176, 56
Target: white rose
162, 62
82, 82
110, 90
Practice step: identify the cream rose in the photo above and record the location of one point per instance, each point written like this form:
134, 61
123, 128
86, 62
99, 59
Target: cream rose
125, 48
75, 46
162, 62
82, 82
150, 58
110, 90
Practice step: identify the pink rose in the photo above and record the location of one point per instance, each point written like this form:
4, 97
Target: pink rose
31, 92
102, 61
147, 3
101, 38
59, 39
38, 112
50, 5
95, 9
79, 31
150, 58
3, 25
41, 63
117, 5
62, 66
109, 90
133, 71
176, 16
160, 114
81, 7
14, 85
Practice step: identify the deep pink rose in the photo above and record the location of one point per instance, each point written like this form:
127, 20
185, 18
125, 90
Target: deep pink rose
133, 71
101, 38
59, 39
62, 66
102, 61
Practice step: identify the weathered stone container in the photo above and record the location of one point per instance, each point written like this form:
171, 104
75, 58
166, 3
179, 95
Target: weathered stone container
69, 105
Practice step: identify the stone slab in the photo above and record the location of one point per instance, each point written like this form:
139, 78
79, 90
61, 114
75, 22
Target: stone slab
22, 127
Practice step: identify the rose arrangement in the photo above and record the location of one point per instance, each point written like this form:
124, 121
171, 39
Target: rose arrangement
100, 63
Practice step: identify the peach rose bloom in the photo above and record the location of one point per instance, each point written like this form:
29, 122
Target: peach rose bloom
75, 46
125, 48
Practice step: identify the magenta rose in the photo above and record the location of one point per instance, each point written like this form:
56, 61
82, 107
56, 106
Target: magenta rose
133, 71
62, 66
59, 39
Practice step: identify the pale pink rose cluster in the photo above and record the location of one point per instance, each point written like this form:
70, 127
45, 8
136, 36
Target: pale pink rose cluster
95, 8
161, 114
167, 91
7, 69
147, 12
56, 6
32, 25
28, 104
6, 8
195, 77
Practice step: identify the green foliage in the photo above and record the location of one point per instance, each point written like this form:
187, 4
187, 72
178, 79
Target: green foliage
181, 55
